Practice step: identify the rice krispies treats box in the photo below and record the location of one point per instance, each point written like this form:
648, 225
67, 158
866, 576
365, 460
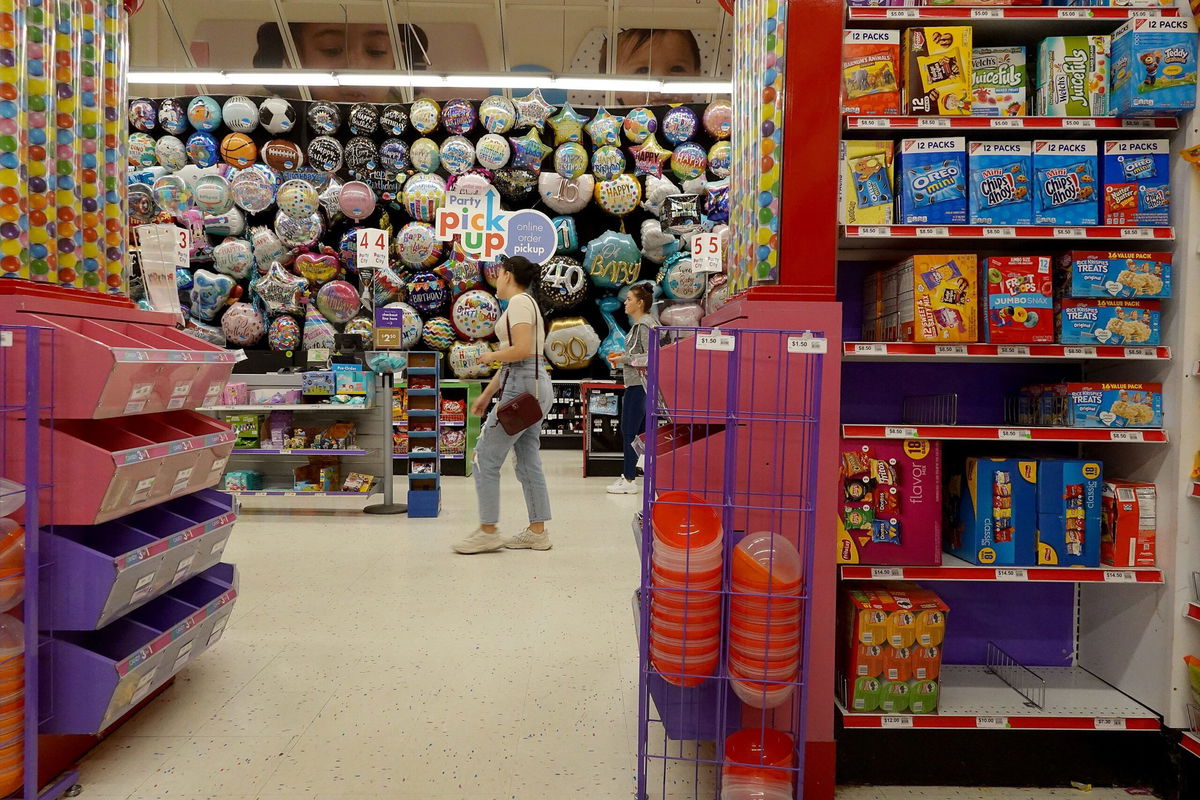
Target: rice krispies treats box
1072, 76
1097, 321
865, 185
1001, 190
1112, 273
931, 175
1154, 67
999, 82
936, 64
1017, 300
870, 72
1114, 405
1137, 182
1065, 182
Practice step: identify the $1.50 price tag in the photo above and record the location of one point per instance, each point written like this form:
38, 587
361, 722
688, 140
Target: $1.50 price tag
372, 248
706, 253
715, 341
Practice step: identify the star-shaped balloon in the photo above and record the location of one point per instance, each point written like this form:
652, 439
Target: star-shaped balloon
280, 290
460, 270
605, 128
329, 199
567, 125
649, 157
532, 110
529, 152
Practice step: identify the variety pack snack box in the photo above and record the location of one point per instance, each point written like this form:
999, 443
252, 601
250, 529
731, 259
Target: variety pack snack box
1104, 321
1115, 274
937, 65
1068, 512
1065, 182
932, 179
1154, 67
865, 192
870, 72
993, 509
1137, 182
1072, 76
937, 298
1129, 524
999, 82
1017, 301
1001, 186
1114, 405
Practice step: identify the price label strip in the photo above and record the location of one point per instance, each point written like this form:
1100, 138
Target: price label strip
895, 432
1012, 574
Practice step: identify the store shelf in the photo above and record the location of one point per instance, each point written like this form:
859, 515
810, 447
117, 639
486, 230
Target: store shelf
290, 493
1195, 492
912, 351
1190, 741
976, 16
988, 433
855, 122
1192, 611
256, 452
427, 392
955, 569
452, 456
1008, 232
293, 407
973, 698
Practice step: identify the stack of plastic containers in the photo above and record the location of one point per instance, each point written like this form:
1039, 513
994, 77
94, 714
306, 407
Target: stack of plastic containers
759, 763
686, 574
764, 619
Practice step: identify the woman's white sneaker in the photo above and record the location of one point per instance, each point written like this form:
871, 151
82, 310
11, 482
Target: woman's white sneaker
623, 486
479, 542
528, 540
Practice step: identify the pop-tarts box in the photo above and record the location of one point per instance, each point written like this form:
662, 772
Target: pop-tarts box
1001, 183
1103, 321
1069, 501
1154, 67
1065, 182
932, 179
1137, 182
1111, 273
995, 508
1114, 405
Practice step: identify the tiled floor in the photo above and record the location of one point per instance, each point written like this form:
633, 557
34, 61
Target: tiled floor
365, 660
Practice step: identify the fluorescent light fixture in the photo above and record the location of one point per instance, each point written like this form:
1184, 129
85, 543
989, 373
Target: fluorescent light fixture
615, 84
177, 76
388, 79
697, 87
507, 80
268, 77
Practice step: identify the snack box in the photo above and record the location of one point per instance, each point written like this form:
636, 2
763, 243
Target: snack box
242, 480
1065, 183
932, 181
1068, 502
247, 428
865, 193
1137, 182
994, 502
937, 298
1001, 183
351, 382
1114, 405
870, 70
1101, 273
320, 383
890, 510
235, 394
999, 82
1072, 76
1017, 301
1129, 524
1154, 67
937, 70
1104, 321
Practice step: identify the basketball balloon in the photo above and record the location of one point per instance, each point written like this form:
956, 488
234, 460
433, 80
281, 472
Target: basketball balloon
238, 150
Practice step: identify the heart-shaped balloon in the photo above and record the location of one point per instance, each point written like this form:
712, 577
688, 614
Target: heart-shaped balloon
209, 293
317, 268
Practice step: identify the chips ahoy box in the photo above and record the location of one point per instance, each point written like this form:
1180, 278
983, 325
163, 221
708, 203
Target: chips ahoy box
1108, 273
1114, 405
870, 66
1001, 186
994, 502
1018, 300
1068, 503
1137, 182
932, 178
865, 183
1154, 67
1065, 182
1102, 321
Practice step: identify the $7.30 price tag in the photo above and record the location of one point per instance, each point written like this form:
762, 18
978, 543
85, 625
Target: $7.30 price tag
372, 248
706, 252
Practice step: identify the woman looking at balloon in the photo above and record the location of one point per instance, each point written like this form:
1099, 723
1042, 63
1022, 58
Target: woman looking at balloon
638, 305
522, 336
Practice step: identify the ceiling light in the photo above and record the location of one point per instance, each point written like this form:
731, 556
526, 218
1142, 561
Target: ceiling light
177, 76
610, 84
509, 80
388, 79
268, 77
697, 87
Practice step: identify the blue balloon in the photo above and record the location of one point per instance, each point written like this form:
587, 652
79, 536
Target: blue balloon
612, 260
568, 237
614, 341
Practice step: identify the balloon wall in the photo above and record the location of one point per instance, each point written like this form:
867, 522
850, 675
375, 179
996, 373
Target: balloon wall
273, 192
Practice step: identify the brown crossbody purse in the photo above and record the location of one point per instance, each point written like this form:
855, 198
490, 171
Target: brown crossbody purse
523, 410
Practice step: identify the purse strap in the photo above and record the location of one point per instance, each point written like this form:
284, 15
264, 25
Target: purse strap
537, 352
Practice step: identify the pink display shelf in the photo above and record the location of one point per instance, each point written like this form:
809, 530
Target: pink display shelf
104, 470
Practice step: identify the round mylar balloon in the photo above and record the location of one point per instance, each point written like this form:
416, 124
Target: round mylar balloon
172, 116
464, 359
361, 154
425, 155
394, 120
240, 115
172, 194
171, 153
571, 343
141, 150
458, 116
424, 115
612, 260
718, 119
325, 154
297, 198
393, 155
720, 159
202, 148
608, 162
348, 249
142, 207
639, 124
563, 195
475, 313
410, 330
204, 113
233, 257
620, 195
243, 325
439, 333
689, 161
457, 155
516, 185
282, 155
357, 201
570, 160
427, 292
338, 301
324, 117
238, 150
362, 326
563, 283
492, 151
424, 195
276, 115
417, 245
680, 281
680, 124
252, 190
284, 334
497, 114
364, 119
212, 194
298, 231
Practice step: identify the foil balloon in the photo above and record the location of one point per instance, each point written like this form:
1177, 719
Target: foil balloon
612, 260
425, 155
497, 114
608, 162
235, 258
171, 153
720, 159
567, 125
571, 343
563, 284
191, 173
297, 198
528, 151
570, 160
243, 325
410, 329
649, 156
716, 201
268, 248
417, 245
363, 119
212, 194
394, 120
566, 196
276, 115
202, 149
204, 113
718, 119
567, 237
682, 315
438, 334
681, 213
424, 115
356, 200
240, 114
492, 151
619, 196
283, 335
279, 290
348, 249
298, 231
689, 161
324, 117
193, 221
318, 332
474, 314
680, 125
386, 286
491, 272
231, 223
427, 293
325, 154
614, 340
458, 116
330, 198
393, 155
252, 190
532, 110
183, 278
205, 333
363, 327
656, 243
148, 175
679, 280
424, 195
638, 124
209, 294
172, 116
238, 150
141, 150
516, 185
338, 301
604, 129
464, 360
317, 268
143, 114
460, 270
141, 203
718, 293
457, 155
172, 194
477, 181
361, 155
282, 155
658, 189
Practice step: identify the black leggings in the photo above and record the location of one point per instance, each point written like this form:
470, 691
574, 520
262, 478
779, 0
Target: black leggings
633, 422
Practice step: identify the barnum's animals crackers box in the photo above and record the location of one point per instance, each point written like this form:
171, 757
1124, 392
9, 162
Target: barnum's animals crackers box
870, 72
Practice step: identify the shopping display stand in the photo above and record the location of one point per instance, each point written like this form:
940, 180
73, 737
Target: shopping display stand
424, 434
389, 504
603, 447
465, 392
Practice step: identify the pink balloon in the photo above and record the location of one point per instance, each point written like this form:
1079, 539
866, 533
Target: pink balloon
357, 200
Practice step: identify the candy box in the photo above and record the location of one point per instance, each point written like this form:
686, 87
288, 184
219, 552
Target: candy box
1104, 321
1137, 182
247, 428
242, 480
1129, 523
351, 382
1088, 273
932, 178
999, 82
235, 394
890, 507
1068, 493
1154, 67
994, 503
865, 194
1001, 183
1018, 300
870, 70
937, 70
321, 383
937, 298
358, 482
1114, 405
1072, 76
1065, 183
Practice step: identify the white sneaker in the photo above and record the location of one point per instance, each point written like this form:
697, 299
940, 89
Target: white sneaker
623, 486
528, 540
480, 542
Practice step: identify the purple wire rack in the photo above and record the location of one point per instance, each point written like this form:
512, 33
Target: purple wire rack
24, 375
732, 433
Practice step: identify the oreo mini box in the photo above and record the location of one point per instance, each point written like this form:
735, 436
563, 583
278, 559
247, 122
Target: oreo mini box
932, 178
1137, 185
1001, 184
1065, 182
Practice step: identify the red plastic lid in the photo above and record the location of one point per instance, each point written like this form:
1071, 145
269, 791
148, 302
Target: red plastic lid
751, 748
683, 520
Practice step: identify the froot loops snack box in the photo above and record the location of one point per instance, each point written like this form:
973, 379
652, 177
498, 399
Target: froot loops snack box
1109, 321
865, 183
870, 72
1018, 300
1137, 182
932, 177
1065, 183
1120, 274
1154, 67
1001, 183
937, 65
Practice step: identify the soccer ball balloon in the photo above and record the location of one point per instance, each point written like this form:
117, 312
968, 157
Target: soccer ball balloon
277, 115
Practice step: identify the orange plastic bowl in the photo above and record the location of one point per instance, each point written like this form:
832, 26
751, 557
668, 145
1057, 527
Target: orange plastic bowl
750, 749
693, 648
693, 674
691, 599
689, 616
693, 574
683, 520
691, 630
767, 561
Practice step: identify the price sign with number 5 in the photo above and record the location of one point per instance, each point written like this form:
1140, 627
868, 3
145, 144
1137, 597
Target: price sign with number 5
372, 248
706, 253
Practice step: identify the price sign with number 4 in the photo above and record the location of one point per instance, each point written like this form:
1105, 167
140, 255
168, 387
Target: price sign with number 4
372, 248
706, 253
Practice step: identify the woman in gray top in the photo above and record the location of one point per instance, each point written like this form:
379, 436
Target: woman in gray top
638, 303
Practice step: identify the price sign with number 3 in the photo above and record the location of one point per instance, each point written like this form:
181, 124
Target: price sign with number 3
706, 253
372, 248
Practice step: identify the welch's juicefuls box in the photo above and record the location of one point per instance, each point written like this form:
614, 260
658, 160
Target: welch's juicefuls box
1001, 183
865, 183
937, 70
1154, 67
1065, 182
999, 82
1102, 321
931, 176
1137, 187
1073, 76
870, 70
